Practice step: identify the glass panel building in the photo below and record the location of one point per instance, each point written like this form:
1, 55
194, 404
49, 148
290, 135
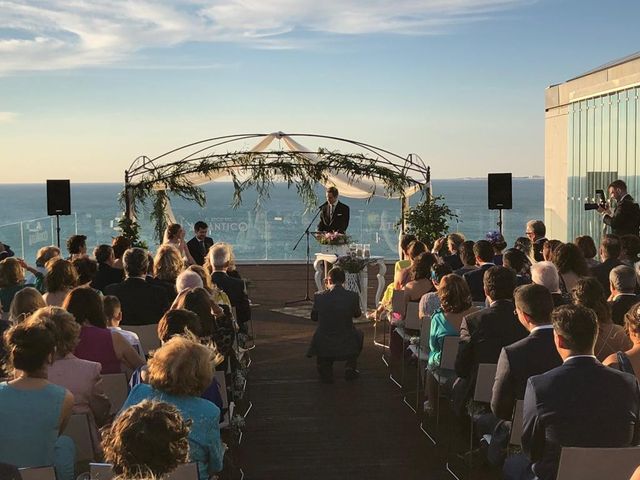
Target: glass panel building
592, 135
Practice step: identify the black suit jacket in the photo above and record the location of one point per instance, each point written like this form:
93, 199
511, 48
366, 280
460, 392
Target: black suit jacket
620, 306
338, 223
336, 337
582, 403
142, 303
533, 355
235, 290
537, 249
625, 218
453, 261
195, 249
602, 271
106, 276
475, 280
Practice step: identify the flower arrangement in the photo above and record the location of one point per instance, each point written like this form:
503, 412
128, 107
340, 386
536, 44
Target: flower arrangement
352, 264
332, 238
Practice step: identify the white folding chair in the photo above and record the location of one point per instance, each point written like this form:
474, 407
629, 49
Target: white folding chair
100, 471
37, 473
222, 385
116, 388
598, 463
78, 430
148, 335
104, 471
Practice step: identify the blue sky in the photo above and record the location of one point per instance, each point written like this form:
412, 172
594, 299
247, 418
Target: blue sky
85, 87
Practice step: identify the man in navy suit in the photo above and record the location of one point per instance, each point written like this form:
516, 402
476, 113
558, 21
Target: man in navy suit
625, 219
335, 214
200, 244
623, 282
581, 403
610, 248
475, 278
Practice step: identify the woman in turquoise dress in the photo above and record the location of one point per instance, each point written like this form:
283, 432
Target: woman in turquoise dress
33, 411
178, 373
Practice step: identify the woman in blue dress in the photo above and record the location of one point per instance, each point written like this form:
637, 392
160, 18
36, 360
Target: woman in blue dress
33, 411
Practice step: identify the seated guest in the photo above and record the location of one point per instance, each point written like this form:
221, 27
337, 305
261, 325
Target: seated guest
430, 301
545, 273
217, 295
167, 265
629, 361
629, 249
179, 371
525, 246
200, 244
60, 278
24, 303
107, 273
11, 282
142, 303
571, 266
120, 245
483, 334
609, 253
484, 254
5, 251
174, 236
147, 440
33, 411
98, 343
622, 283
611, 337
455, 304
336, 338
43, 255
81, 377
414, 249
233, 287
188, 279
533, 355
420, 283
87, 269
536, 231
76, 246
549, 248
517, 261
113, 314
498, 243
467, 257
588, 247
454, 241
178, 321
578, 404
211, 317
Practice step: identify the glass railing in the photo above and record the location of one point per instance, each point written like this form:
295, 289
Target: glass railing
26, 237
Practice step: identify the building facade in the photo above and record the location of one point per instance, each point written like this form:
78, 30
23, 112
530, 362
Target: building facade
592, 137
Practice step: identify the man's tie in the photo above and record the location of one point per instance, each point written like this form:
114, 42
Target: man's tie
204, 252
330, 211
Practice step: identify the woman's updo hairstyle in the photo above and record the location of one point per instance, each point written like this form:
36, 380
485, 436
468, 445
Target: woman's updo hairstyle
29, 345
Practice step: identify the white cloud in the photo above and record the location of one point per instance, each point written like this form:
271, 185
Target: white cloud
7, 117
62, 34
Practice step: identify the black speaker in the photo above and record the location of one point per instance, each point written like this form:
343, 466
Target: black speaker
500, 191
58, 197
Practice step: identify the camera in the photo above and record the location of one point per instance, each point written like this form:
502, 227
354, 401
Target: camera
600, 202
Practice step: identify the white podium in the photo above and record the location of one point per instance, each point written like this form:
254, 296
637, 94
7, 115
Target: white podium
318, 265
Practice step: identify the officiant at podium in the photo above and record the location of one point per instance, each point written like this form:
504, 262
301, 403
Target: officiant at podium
334, 216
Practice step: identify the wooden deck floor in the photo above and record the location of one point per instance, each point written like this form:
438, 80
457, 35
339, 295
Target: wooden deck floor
302, 429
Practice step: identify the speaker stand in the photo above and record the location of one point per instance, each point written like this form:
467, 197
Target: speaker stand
500, 220
58, 228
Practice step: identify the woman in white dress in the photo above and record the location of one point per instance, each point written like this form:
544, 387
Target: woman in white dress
174, 235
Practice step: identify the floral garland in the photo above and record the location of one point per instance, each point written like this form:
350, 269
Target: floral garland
332, 238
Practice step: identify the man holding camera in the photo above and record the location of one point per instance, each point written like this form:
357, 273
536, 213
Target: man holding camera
625, 219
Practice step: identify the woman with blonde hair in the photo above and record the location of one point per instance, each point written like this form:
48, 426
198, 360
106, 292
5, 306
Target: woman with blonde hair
43, 255
81, 377
179, 371
167, 265
25, 302
12, 280
60, 279
174, 235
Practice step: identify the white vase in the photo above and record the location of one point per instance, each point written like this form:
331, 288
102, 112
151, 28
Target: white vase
338, 250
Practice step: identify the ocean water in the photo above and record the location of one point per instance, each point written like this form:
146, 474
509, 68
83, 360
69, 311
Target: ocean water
258, 232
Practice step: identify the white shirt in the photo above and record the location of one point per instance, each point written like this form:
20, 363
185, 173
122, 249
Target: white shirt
130, 337
541, 327
580, 356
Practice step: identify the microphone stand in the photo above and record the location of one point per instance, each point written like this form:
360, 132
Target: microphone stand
307, 233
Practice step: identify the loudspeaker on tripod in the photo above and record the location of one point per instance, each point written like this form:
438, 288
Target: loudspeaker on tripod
500, 191
58, 197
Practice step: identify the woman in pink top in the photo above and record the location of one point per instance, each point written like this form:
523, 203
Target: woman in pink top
97, 342
80, 377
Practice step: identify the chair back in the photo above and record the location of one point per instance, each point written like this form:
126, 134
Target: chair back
100, 471
187, 471
37, 473
598, 463
450, 346
397, 301
411, 318
116, 388
516, 425
222, 385
78, 430
148, 335
484, 382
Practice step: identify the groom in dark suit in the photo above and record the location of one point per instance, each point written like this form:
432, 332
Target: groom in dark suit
200, 244
335, 214
336, 338
625, 219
